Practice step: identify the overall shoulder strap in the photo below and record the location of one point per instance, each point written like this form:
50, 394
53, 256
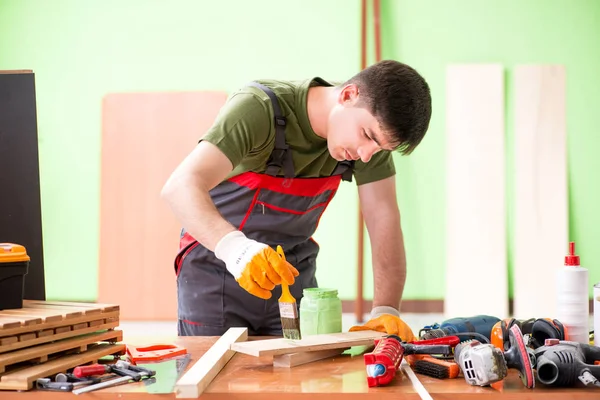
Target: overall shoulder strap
346, 169
281, 157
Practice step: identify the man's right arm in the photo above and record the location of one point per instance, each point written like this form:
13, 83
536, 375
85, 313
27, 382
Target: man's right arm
186, 192
242, 126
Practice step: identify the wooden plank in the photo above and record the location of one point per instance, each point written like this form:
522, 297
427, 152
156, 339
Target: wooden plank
36, 352
16, 71
69, 311
136, 130
23, 379
295, 359
193, 383
9, 322
75, 304
272, 347
475, 192
57, 324
43, 316
8, 340
541, 193
63, 335
23, 320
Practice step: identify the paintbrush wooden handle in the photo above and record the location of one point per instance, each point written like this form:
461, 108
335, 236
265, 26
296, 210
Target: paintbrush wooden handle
286, 296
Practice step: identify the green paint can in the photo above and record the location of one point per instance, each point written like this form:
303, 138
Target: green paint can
320, 312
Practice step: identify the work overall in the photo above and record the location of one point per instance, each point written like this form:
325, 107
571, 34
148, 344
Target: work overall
269, 209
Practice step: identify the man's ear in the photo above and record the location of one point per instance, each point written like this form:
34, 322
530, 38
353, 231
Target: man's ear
348, 95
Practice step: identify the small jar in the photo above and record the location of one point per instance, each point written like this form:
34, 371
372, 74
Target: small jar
320, 312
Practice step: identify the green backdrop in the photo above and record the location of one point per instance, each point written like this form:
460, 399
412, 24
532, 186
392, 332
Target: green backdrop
82, 50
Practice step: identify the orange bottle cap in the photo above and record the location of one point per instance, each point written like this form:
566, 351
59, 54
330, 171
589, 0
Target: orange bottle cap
10, 252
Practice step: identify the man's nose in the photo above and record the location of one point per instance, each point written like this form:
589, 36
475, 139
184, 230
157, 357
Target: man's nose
366, 151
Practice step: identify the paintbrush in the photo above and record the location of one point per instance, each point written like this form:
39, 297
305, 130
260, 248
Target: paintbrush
290, 323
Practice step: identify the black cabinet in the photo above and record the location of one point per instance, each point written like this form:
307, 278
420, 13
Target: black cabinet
20, 208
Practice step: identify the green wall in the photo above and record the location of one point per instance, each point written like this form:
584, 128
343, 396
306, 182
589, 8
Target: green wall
429, 34
81, 51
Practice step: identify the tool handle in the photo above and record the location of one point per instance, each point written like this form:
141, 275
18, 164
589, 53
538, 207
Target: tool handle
447, 340
591, 353
427, 349
90, 370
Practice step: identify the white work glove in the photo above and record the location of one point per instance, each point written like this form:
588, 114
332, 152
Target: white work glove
254, 265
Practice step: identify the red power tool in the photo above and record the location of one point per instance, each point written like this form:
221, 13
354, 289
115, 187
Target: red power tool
383, 362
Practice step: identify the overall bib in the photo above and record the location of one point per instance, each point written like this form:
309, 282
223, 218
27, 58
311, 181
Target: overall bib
269, 209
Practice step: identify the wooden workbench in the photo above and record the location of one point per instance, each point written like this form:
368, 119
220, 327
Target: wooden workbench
251, 378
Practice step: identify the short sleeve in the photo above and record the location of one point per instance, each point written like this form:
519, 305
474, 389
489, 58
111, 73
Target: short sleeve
242, 126
379, 167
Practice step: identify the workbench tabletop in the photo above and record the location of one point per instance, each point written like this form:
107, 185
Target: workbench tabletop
255, 378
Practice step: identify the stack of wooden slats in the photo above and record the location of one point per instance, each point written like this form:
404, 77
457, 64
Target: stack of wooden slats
45, 338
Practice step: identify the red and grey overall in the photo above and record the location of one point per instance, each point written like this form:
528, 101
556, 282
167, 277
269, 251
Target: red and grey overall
270, 209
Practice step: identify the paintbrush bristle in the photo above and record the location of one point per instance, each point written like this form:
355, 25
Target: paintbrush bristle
291, 328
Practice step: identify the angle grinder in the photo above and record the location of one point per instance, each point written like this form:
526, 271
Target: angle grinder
483, 363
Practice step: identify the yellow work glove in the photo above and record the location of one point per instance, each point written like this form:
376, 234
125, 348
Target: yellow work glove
387, 319
254, 265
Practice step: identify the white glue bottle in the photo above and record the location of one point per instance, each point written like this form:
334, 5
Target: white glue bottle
573, 298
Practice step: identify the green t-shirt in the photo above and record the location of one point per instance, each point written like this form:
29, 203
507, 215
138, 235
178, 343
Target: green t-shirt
244, 131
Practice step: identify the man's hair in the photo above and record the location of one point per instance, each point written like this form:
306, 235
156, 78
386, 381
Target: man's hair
399, 98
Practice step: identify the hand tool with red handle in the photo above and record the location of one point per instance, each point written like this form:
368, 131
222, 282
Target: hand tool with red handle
101, 369
91, 370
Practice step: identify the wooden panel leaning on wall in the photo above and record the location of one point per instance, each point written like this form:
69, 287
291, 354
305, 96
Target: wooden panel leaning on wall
541, 209
144, 137
475, 205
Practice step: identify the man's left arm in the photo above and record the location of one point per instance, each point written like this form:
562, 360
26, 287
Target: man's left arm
382, 219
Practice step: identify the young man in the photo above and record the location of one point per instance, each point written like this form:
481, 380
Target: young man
262, 176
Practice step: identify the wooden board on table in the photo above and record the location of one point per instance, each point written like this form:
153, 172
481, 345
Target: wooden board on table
295, 359
23, 379
193, 383
272, 347
475, 192
41, 353
541, 202
145, 135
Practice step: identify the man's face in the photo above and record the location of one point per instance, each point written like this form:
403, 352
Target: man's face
352, 132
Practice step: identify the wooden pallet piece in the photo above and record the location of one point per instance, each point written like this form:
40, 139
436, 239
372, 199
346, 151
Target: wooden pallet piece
80, 310
44, 314
541, 192
23, 379
63, 335
296, 359
475, 191
193, 383
25, 328
90, 306
272, 347
39, 354
8, 321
